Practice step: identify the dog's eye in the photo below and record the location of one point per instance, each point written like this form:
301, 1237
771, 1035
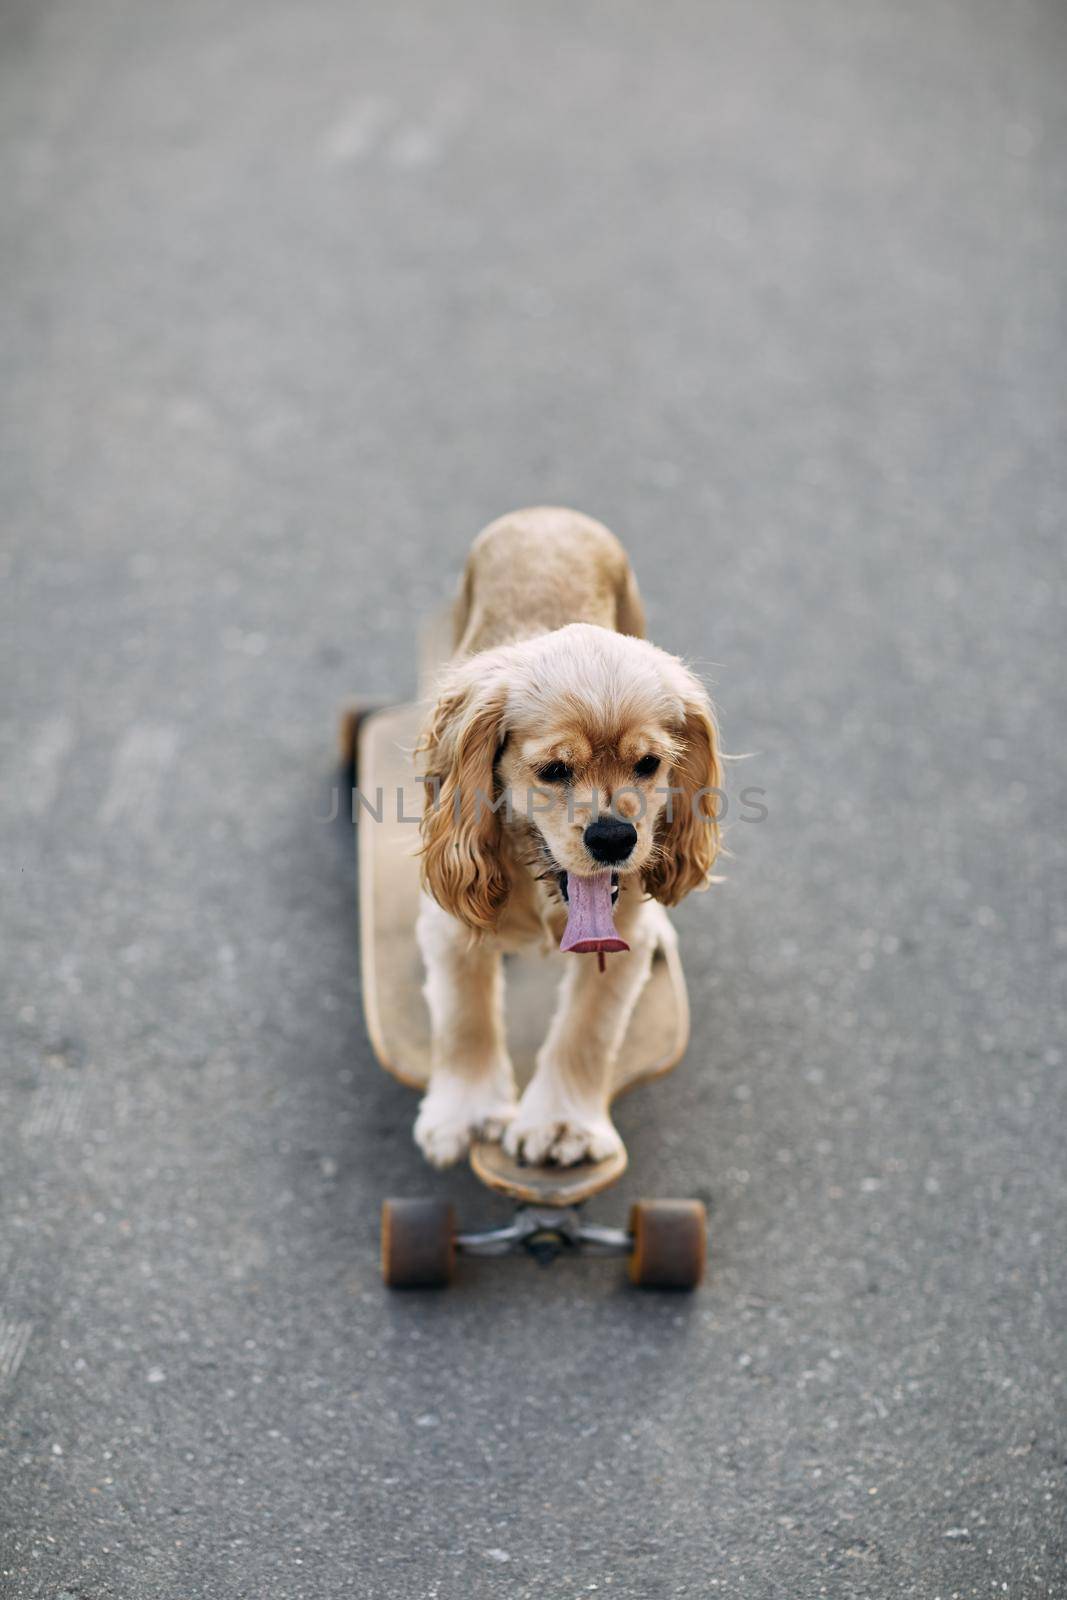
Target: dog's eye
555, 772
647, 766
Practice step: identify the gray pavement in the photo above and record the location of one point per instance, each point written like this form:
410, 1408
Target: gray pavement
297, 297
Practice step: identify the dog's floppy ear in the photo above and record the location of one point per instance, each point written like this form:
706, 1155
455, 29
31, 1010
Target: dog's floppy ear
461, 833
688, 839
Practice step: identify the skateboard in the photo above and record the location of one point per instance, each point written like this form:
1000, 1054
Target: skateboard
665, 1241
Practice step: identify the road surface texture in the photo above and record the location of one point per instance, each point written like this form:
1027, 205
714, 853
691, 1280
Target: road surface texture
296, 298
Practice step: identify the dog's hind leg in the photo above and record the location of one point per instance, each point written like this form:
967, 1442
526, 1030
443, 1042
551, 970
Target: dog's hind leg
471, 1093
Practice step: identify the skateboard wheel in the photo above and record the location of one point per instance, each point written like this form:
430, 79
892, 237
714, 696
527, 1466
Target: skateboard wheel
418, 1243
670, 1243
348, 742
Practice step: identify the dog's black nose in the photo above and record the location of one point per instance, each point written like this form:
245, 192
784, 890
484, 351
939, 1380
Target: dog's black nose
607, 839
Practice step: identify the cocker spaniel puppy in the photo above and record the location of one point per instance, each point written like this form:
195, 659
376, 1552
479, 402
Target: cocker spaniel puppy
572, 773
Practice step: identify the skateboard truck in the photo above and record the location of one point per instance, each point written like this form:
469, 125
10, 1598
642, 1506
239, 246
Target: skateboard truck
546, 1232
665, 1243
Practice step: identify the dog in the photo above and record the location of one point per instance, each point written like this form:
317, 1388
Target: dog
572, 773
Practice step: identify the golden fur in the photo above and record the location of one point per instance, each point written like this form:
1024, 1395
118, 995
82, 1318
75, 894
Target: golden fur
534, 665
551, 674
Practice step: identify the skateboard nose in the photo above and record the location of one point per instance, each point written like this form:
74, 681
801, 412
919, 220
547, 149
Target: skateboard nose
609, 839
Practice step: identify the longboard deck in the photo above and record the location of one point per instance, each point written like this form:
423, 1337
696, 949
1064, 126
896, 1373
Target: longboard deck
396, 1016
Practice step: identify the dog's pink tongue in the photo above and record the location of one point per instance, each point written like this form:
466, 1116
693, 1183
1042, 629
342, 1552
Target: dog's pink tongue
590, 925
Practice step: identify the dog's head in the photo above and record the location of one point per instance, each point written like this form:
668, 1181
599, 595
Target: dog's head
588, 750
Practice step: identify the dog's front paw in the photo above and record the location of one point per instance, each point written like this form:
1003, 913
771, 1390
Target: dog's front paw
451, 1115
537, 1136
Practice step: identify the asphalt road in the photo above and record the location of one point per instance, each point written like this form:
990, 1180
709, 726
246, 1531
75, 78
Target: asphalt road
297, 297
